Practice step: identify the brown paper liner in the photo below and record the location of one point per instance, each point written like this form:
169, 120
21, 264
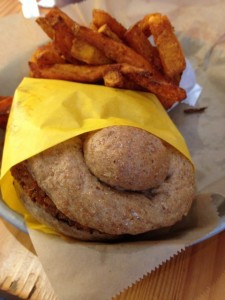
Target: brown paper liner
100, 271
89, 270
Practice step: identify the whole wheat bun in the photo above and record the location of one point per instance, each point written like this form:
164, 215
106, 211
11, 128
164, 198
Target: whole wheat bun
139, 163
116, 181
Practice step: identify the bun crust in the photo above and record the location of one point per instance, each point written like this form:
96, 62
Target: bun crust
45, 211
62, 174
126, 159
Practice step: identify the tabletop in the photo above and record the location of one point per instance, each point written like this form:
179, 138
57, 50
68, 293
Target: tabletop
196, 273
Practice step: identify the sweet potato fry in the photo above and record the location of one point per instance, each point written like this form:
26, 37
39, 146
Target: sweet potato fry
47, 55
47, 22
5, 105
137, 40
53, 15
101, 17
114, 78
84, 73
63, 39
93, 27
46, 27
105, 29
87, 53
143, 24
114, 50
163, 89
169, 48
58, 26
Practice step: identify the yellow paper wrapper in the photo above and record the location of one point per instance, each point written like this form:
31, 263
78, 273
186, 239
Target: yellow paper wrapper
46, 112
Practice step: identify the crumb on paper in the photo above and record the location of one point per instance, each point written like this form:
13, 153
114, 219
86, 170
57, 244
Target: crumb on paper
195, 110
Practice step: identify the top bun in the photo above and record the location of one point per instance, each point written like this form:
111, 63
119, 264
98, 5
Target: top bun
126, 159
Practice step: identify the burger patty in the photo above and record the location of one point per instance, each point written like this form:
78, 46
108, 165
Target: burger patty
38, 196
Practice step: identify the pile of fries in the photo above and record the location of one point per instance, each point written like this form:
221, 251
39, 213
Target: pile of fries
108, 53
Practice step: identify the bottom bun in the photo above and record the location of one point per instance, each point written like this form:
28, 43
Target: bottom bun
43, 209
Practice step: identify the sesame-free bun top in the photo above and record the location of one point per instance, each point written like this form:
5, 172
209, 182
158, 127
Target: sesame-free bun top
126, 159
